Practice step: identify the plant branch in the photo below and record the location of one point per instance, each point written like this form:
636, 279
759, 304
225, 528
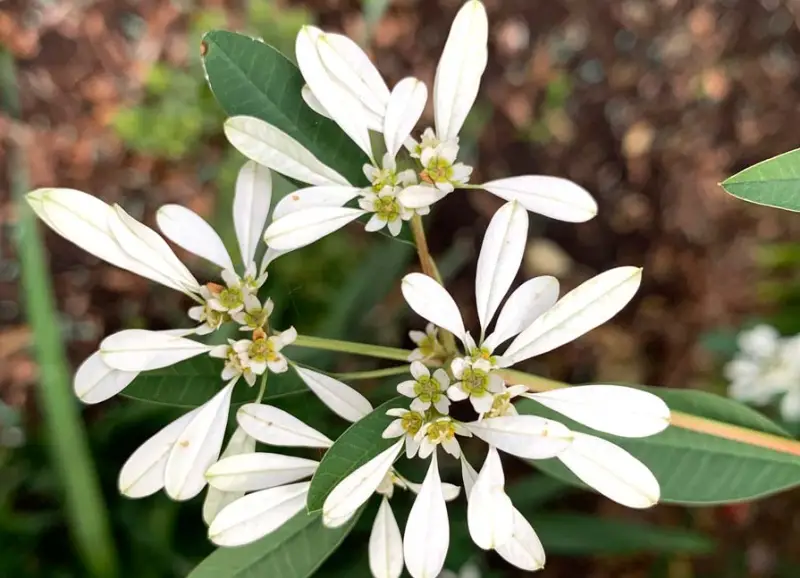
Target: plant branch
365, 349
425, 258
372, 374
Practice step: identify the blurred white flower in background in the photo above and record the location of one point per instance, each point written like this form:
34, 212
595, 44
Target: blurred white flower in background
766, 367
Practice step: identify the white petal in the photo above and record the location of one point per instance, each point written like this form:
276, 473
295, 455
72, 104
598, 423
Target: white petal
405, 106
197, 447
469, 475
552, 197
611, 471
251, 207
258, 471
614, 409
432, 301
351, 493
524, 550
427, 533
275, 427
256, 515
500, 258
269, 146
449, 491
146, 246
385, 544
524, 436
352, 68
302, 228
341, 105
190, 231
239, 444
143, 473
342, 399
461, 66
326, 196
523, 307
588, 305
490, 515
84, 220
313, 102
95, 381
419, 196
269, 256
141, 350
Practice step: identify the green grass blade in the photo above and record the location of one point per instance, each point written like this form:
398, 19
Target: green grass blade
66, 436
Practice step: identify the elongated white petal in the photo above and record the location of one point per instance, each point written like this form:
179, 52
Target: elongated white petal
327, 196
148, 247
351, 493
524, 550
552, 197
588, 305
342, 106
275, 427
420, 196
190, 231
239, 445
342, 399
95, 381
523, 307
524, 436
490, 515
432, 302
500, 258
303, 227
458, 75
269, 146
84, 220
469, 475
405, 106
258, 471
620, 411
257, 514
449, 491
611, 471
385, 544
313, 102
427, 533
251, 204
141, 350
143, 473
198, 447
352, 68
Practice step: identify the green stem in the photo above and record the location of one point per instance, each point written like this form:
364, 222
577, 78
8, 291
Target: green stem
366, 349
263, 389
375, 373
67, 440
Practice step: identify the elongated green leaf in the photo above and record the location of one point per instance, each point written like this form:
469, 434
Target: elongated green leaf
193, 382
578, 534
249, 77
360, 443
695, 468
774, 182
295, 550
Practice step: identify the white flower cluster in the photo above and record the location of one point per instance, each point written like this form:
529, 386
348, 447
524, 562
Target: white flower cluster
766, 368
177, 457
344, 85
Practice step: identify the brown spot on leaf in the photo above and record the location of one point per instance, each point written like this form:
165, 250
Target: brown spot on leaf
203, 48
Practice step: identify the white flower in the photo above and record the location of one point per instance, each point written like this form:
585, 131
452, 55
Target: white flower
441, 431
407, 424
386, 209
427, 342
253, 315
426, 390
540, 324
767, 366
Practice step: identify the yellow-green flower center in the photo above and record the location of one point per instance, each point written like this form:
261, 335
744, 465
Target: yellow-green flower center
439, 170
262, 350
482, 353
412, 422
255, 319
475, 381
428, 389
440, 431
500, 405
384, 178
387, 208
231, 298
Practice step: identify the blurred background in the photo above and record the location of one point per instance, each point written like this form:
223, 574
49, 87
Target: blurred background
646, 103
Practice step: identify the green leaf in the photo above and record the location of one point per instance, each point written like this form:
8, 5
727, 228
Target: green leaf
695, 468
589, 535
774, 182
193, 382
295, 550
249, 77
360, 443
